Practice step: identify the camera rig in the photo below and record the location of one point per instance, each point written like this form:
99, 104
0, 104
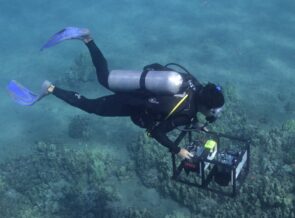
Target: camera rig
214, 167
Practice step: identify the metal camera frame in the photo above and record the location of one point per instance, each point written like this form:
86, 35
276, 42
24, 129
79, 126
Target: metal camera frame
239, 170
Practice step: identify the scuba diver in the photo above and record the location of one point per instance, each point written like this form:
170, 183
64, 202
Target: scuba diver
156, 98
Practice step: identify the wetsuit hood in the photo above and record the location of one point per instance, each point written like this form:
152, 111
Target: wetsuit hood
211, 96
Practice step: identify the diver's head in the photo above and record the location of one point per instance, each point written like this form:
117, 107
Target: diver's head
211, 100
211, 96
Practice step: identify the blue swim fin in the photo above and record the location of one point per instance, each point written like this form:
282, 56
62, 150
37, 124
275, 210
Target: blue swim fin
21, 94
66, 34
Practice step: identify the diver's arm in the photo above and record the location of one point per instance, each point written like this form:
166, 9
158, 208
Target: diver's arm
161, 130
162, 138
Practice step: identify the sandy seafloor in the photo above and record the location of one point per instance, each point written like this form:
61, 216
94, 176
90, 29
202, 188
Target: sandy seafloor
249, 44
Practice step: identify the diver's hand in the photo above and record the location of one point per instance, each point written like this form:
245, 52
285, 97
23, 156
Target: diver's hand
201, 127
185, 154
205, 129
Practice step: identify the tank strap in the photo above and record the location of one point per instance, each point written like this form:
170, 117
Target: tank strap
177, 106
142, 80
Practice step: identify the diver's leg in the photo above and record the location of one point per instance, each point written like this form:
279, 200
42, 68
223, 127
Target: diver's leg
112, 105
99, 61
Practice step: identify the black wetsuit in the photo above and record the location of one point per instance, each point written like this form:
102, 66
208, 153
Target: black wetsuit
146, 111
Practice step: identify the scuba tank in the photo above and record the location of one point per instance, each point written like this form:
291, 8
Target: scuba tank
162, 82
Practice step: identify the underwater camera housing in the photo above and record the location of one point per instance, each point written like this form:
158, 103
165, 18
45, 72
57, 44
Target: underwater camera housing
217, 169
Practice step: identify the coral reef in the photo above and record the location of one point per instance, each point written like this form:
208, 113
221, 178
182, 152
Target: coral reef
56, 182
289, 126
